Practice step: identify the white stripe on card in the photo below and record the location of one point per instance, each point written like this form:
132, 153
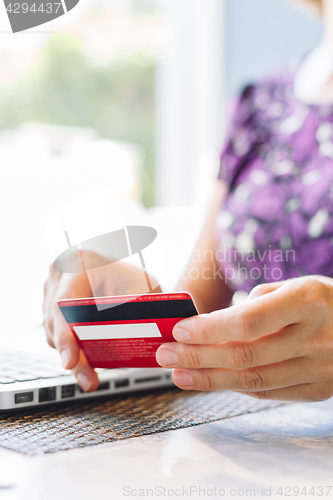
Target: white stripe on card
123, 331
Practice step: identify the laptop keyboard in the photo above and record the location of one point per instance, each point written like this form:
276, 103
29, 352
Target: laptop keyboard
20, 368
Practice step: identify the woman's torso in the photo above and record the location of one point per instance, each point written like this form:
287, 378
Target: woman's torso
277, 220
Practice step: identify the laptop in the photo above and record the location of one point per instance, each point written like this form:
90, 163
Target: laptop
33, 376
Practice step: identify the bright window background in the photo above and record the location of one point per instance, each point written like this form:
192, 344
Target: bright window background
115, 69
263, 36
96, 70
152, 75
87, 75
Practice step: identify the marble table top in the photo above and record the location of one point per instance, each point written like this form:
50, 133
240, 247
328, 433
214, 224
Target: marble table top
278, 453
284, 450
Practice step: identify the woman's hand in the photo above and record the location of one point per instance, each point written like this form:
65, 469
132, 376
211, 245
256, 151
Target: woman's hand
278, 345
104, 278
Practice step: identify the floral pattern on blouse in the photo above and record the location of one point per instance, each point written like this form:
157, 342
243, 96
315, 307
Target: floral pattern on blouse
277, 220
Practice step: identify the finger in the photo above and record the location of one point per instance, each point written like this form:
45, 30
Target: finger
285, 374
63, 338
49, 337
65, 341
265, 314
48, 327
307, 393
290, 342
85, 374
49, 289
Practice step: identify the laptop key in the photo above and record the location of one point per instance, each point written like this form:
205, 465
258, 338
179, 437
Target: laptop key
44, 373
24, 376
6, 380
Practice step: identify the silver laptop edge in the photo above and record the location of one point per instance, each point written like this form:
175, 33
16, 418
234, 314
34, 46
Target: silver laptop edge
64, 388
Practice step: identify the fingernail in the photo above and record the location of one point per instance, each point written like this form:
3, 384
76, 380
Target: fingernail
183, 379
65, 357
166, 358
181, 334
84, 381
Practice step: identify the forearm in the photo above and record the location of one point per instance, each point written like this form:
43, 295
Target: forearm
203, 278
205, 282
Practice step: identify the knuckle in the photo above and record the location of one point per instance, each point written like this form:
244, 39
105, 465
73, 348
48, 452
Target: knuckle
260, 394
49, 340
312, 287
259, 290
75, 259
240, 355
312, 284
61, 338
316, 294
320, 393
207, 381
203, 329
90, 257
193, 358
48, 324
245, 323
251, 380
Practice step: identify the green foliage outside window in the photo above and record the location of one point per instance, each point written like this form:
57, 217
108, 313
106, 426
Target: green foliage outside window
65, 87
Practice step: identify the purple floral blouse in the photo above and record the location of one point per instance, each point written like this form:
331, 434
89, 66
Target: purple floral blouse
277, 220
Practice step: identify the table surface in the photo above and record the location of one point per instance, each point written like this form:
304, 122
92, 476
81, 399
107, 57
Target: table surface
269, 453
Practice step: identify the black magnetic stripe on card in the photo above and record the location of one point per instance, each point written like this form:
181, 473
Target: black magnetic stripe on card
130, 311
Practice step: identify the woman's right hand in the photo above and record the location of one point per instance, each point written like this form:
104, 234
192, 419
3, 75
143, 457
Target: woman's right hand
107, 278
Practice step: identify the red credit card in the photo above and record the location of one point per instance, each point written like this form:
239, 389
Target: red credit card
125, 331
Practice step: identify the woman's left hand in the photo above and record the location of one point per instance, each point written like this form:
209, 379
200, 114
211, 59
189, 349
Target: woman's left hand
278, 345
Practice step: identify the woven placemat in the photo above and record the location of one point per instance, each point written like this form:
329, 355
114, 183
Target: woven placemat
51, 429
